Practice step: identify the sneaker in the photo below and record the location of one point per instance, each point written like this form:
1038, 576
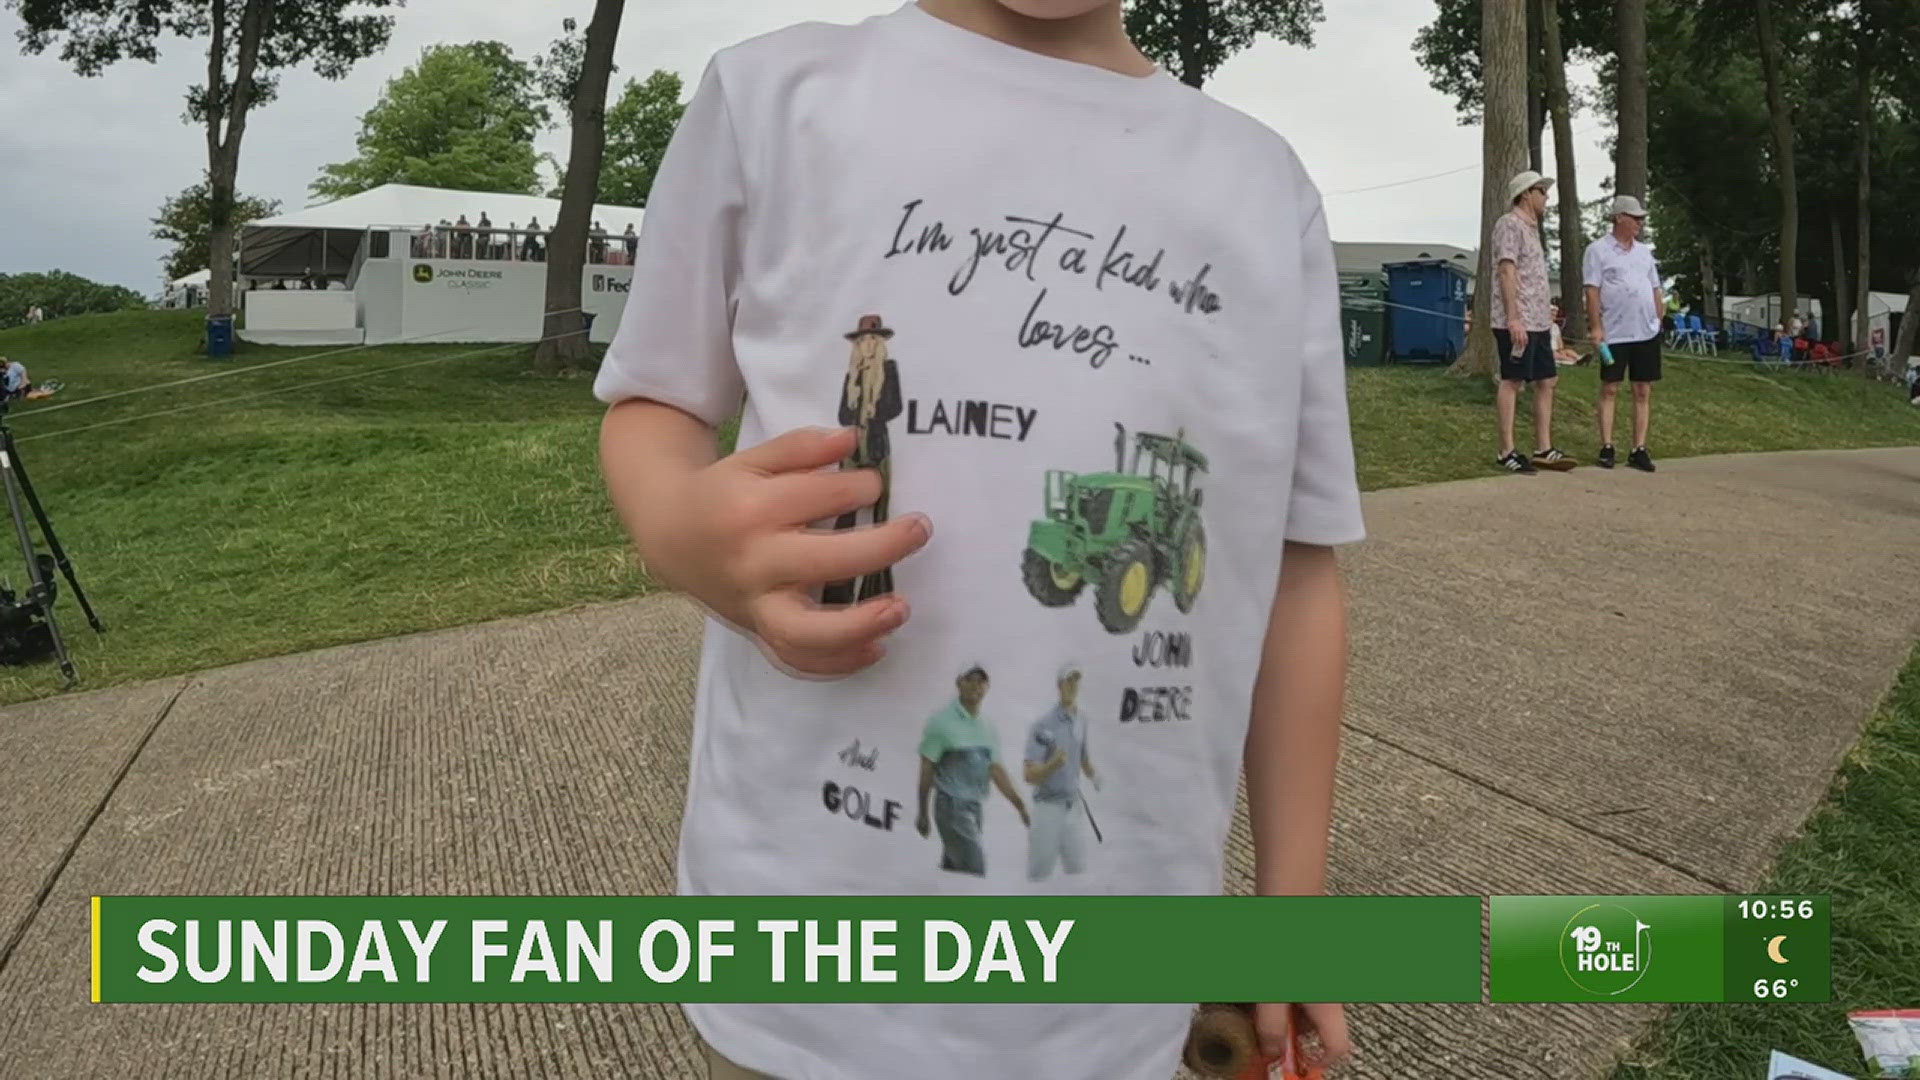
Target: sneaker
1552, 458
1606, 456
1640, 459
1512, 462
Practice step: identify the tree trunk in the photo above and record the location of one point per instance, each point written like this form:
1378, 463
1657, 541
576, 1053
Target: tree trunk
1909, 326
1710, 286
1503, 43
1573, 300
223, 148
1843, 298
1863, 307
1536, 94
1195, 24
563, 335
1630, 164
1782, 124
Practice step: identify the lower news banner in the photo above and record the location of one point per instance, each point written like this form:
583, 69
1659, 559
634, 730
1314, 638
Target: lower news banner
758, 949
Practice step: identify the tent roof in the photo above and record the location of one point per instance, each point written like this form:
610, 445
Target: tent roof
198, 277
1368, 257
411, 206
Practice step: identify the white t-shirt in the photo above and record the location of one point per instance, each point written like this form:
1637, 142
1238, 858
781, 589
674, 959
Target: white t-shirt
1038, 251
1627, 278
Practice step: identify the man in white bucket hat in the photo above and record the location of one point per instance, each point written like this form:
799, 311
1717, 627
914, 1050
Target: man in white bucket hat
1520, 312
1625, 300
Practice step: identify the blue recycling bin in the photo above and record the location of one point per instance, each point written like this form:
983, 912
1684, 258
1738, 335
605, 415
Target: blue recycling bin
1427, 310
219, 335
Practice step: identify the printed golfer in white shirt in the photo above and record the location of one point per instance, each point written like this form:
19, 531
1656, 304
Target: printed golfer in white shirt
1055, 762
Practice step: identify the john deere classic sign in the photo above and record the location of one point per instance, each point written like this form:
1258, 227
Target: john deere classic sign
457, 277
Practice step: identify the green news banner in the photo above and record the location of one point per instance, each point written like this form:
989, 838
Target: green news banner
753, 949
1772, 949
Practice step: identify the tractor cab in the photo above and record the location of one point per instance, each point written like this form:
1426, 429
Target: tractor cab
1128, 530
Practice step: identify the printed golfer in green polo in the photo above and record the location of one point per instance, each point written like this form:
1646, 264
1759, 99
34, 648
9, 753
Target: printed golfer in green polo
959, 757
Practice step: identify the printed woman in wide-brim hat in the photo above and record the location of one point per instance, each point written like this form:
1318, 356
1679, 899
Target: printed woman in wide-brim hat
869, 400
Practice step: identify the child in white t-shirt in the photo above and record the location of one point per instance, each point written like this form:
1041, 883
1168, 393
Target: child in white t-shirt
1085, 321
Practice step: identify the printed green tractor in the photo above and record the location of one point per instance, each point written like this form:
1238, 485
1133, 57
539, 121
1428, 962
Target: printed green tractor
1127, 531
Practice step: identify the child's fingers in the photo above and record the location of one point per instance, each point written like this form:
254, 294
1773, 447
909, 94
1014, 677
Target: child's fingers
1273, 1023
1329, 1024
814, 558
806, 635
799, 498
802, 448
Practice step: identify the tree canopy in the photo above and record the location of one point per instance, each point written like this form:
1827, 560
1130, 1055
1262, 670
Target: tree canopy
185, 220
463, 116
248, 42
639, 126
58, 294
1192, 38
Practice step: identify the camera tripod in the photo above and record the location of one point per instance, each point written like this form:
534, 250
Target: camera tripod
40, 585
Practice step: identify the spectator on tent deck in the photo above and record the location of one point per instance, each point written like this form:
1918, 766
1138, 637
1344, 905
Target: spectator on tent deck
597, 244
509, 247
633, 243
462, 238
484, 234
531, 250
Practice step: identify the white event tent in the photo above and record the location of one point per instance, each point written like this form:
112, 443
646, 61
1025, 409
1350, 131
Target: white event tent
389, 276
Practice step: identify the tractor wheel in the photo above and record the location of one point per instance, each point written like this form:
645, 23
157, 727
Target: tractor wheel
1126, 584
1049, 582
1190, 568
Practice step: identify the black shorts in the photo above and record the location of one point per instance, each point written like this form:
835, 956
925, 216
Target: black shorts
1533, 365
1638, 360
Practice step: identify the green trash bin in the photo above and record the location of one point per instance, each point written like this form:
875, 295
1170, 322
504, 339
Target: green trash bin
1363, 318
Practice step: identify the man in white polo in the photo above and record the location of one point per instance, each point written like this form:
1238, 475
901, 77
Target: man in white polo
1625, 299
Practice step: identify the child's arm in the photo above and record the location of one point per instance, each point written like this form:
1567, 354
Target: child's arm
733, 532
1293, 743
920, 822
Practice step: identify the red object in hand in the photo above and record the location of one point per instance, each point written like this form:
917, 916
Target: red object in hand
1223, 1044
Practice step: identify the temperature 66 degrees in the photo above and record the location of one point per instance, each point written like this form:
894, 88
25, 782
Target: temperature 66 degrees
1775, 988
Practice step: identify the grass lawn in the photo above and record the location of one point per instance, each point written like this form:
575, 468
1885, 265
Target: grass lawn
1416, 425
1863, 847
463, 488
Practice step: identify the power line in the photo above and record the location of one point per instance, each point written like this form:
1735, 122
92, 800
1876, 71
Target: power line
1421, 179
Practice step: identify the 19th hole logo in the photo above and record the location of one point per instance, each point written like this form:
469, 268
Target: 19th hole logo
1605, 949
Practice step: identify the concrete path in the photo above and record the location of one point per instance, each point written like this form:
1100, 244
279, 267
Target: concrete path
1591, 682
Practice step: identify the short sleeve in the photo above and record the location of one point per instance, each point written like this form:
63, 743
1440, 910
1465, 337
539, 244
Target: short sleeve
675, 340
1590, 266
933, 742
1325, 504
1653, 271
1506, 246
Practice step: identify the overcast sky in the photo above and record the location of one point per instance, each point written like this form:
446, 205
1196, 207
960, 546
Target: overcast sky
88, 161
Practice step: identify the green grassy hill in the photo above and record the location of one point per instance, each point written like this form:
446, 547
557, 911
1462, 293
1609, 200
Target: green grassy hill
425, 486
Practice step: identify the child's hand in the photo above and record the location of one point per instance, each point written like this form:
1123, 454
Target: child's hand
739, 542
1277, 1025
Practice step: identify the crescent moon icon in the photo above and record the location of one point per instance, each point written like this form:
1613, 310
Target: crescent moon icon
1773, 950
